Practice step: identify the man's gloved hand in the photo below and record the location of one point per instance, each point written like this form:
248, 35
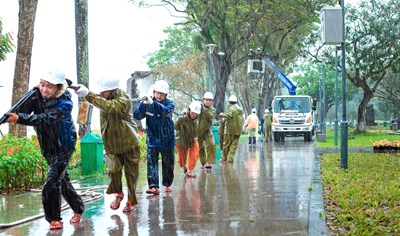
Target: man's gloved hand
147, 100
82, 91
12, 117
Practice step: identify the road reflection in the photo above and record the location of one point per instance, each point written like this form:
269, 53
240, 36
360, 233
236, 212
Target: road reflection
264, 191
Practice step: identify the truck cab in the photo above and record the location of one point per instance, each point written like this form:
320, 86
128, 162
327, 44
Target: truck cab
293, 115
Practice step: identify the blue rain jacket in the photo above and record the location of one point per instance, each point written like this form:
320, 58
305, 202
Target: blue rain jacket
159, 124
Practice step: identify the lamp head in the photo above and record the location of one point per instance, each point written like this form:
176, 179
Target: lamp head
251, 53
211, 47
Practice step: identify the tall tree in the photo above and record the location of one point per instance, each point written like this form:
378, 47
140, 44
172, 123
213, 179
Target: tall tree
180, 62
26, 23
233, 25
82, 49
82, 38
389, 93
308, 82
178, 46
281, 34
373, 48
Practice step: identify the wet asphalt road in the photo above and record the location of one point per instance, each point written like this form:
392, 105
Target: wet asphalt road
265, 191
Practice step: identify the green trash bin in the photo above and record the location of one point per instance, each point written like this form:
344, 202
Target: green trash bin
215, 133
92, 153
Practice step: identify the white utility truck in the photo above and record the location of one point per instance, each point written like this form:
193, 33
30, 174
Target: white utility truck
293, 115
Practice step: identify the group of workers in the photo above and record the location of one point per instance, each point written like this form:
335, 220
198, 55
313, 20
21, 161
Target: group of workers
49, 112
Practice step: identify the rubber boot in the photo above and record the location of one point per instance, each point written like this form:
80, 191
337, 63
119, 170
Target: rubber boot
254, 140
250, 139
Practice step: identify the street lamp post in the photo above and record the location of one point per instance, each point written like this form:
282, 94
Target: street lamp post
323, 59
343, 125
211, 49
221, 56
321, 101
337, 48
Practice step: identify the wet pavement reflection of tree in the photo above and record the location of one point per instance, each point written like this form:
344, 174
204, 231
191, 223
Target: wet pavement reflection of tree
263, 192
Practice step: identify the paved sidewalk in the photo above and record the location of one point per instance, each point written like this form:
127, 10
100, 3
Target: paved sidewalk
265, 191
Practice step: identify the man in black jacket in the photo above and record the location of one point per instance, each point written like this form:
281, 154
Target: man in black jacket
49, 112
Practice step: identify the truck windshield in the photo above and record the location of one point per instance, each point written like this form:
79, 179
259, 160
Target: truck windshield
292, 104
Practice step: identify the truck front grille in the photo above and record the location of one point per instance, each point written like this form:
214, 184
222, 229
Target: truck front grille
291, 122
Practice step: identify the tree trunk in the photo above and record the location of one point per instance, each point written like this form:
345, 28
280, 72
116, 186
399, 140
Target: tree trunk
361, 112
82, 51
268, 92
26, 23
221, 83
81, 38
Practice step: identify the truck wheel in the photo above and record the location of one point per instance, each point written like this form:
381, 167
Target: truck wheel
283, 135
276, 137
307, 137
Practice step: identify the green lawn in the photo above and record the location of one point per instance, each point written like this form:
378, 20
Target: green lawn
359, 140
365, 198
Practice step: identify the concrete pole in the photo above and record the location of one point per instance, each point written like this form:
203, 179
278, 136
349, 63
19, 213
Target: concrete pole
321, 101
336, 95
324, 94
343, 125
323, 110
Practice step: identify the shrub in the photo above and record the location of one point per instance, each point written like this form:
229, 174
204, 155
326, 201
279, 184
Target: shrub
21, 163
143, 146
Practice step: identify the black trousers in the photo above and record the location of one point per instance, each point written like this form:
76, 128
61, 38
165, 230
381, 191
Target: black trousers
167, 165
57, 184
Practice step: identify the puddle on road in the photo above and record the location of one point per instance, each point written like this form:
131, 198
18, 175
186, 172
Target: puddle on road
264, 190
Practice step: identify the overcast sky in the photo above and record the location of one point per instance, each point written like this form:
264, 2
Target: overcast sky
120, 35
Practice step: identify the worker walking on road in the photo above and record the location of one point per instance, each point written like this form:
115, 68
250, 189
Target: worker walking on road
252, 125
120, 137
205, 134
267, 126
186, 139
49, 112
160, 137
232, 120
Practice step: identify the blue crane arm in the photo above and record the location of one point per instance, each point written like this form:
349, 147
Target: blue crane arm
281, 76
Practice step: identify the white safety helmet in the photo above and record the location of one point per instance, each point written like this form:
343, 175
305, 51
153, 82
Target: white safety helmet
253, 110
208, 95
161, 86
195, 107
107, 83
266, 111
54, 77
232, 98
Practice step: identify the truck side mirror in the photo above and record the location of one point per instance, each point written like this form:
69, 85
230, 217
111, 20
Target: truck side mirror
314, 104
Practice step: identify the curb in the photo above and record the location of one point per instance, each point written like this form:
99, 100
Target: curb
316, 216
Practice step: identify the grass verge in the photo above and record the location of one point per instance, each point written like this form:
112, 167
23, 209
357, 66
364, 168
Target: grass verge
363, 199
